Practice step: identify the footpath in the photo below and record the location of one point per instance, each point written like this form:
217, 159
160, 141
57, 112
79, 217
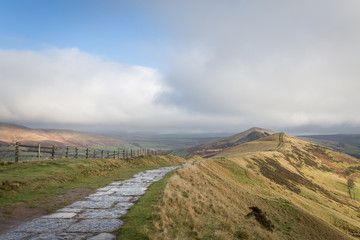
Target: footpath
94, 218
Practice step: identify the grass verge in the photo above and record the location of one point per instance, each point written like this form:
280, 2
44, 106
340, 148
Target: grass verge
139, 222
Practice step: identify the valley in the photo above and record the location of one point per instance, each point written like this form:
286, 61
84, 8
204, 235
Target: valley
257, 184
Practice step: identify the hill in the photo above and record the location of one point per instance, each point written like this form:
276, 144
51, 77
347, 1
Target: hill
210, 148
347, 143
10, 133
276, 187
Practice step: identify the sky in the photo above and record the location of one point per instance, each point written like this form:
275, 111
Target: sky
181, 66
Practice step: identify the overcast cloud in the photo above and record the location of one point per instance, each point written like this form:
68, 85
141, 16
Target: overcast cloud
229, 65
274, 63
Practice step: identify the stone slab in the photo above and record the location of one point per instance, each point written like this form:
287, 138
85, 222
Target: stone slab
73, 210
15, 236
96, 225
60, 236
124, 205
107, 198
116, 183
103, 236
42, 225
129, 191
102, 213
61, 215
67, 209
136, 184
104, 189
101, 193
91, 204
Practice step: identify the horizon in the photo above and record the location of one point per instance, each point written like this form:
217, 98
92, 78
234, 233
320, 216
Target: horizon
152, 134
181, 67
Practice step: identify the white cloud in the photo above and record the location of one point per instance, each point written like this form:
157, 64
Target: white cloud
73, 87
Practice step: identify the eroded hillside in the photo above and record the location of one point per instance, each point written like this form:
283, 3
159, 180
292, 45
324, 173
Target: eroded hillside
277, 187
213, 147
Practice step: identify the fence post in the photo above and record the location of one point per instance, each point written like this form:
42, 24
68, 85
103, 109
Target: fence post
67, 152
94, 155
123, 153
102, 154
39, 152
87, 153
76, 153
107, 154
53, 152
114, 154
16, 152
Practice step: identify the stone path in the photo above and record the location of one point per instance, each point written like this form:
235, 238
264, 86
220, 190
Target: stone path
94, 218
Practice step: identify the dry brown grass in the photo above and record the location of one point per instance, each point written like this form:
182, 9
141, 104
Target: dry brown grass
298, 196
264, 144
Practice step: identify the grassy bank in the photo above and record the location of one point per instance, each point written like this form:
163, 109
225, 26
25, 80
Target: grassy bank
30, 182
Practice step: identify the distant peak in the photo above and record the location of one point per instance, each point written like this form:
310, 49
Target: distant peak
259, 130
254, 129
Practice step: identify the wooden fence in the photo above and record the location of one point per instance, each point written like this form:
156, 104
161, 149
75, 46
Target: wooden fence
17, 152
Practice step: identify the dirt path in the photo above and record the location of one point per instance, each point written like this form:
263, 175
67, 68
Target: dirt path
96, 217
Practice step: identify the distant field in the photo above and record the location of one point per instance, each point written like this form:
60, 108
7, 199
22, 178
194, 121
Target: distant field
170, 141
346, 143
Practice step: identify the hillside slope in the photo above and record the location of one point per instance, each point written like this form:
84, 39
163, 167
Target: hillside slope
14, 133
346, 143
212, 147
278, 187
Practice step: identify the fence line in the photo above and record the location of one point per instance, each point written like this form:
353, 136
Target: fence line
19, 151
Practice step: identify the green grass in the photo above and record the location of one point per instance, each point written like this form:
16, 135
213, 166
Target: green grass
27, 182
139, 221
238, 173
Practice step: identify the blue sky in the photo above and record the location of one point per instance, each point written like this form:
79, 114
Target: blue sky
117, 30
181, 66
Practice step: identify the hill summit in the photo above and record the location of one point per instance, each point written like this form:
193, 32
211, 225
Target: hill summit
212, 147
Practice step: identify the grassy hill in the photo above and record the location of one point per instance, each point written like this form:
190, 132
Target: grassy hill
217, 145
14, 133
347, 143
277, 187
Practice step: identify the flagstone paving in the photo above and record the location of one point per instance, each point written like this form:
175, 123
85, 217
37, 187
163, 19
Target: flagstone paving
94, 218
